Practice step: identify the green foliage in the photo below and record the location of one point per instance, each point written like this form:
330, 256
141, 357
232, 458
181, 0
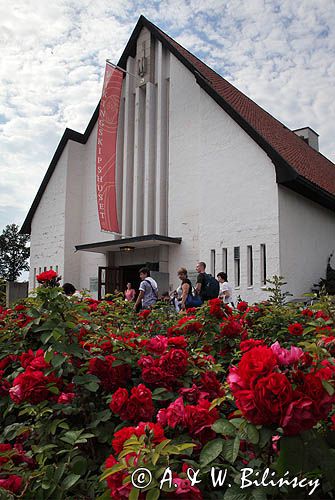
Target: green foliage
69, 443
13, 252
277, 296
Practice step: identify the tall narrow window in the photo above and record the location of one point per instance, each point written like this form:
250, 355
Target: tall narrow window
250, 268
237, 266
45, 268
57, 269
34, 282
213, 262
263, 264
51, 268
224, 260
39, 270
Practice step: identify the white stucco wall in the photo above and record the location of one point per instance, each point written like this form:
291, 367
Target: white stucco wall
82, 223
48, 224
222, 187
307, 237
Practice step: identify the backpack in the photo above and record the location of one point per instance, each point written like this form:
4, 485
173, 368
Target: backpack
212, 287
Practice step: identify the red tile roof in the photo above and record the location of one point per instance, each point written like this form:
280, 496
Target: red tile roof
306, 161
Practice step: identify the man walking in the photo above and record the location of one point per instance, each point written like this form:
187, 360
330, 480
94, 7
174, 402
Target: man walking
207, 286
148, 291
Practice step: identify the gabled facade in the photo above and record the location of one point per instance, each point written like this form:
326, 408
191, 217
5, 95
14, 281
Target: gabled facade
202, 173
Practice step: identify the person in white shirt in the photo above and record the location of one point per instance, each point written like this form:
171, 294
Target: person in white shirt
148, 291
226, 290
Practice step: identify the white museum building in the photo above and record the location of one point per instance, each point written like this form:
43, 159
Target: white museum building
201, 173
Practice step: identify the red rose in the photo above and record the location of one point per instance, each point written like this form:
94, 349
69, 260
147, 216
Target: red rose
231, 328
146, 362
190, 395
299, 416
174, 362
155, 431
144, 313
246, 345
13, 483
245, 401
175, 413
215, 308
242, 306
153, 376
66, 398
199, 420
313, 387
210, 384
256, 363
157, 344
31, 386
296, 329
33, 360
119, 399
115, 481
179, 342
120, 437
272, 396
307, 312
321, 314
4, 449
46, 276
185, 490
112, 377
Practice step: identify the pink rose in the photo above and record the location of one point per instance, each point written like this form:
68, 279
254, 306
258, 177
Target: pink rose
285, 356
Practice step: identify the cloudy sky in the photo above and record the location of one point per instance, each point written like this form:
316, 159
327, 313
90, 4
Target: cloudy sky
52, 55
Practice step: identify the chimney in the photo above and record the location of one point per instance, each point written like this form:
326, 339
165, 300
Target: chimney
308, 135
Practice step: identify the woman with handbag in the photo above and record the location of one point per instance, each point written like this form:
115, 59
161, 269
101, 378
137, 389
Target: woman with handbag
187, 298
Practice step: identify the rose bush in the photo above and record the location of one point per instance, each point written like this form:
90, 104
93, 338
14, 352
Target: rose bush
90, 392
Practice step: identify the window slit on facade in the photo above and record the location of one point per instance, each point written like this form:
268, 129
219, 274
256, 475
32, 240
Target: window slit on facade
225, 260
250, 269
213, 262
237, 266
263, 264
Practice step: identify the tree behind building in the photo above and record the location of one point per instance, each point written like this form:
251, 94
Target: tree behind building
13, 252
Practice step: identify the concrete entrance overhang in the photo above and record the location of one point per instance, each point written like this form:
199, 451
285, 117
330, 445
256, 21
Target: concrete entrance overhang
137, 242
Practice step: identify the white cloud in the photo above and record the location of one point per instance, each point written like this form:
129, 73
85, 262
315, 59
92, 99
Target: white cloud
281, 54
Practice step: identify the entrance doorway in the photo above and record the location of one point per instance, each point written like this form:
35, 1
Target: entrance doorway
116, 278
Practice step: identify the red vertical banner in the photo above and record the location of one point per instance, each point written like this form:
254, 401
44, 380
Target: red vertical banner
106, 149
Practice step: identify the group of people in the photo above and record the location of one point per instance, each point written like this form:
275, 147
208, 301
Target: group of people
206, 288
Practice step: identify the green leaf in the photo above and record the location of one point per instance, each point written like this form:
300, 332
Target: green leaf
70, 481
92, 386
230, 449
112, 470
134, 494
291, 457
79, 465
53, 389
58, 360
259, 494
235, 493
153, 494
48, 355
45, 337
328, 387
252, 433
224, 427
59, 473
162, 445
265, 436
211, 451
